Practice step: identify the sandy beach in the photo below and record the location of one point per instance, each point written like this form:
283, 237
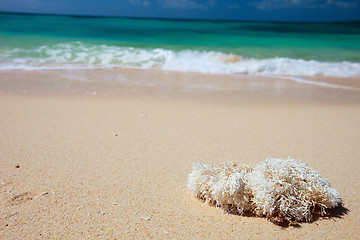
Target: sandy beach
106, 153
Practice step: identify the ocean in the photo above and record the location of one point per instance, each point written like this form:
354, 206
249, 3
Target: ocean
221, 47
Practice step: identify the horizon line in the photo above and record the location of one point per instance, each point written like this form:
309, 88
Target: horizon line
170, 19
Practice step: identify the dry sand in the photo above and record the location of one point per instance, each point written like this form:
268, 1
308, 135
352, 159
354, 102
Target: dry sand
91, 159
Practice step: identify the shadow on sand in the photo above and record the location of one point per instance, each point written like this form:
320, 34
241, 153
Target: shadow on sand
333, 213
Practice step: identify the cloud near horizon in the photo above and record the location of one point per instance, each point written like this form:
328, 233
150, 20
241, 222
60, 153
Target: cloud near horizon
343, 4
281, 4
185, 4
143, 3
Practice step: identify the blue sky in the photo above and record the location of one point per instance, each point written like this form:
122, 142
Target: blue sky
268, 10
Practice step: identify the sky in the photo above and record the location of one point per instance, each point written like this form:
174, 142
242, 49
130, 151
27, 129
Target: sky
256, 10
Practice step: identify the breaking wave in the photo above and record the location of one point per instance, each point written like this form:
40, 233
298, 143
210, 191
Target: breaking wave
78, 55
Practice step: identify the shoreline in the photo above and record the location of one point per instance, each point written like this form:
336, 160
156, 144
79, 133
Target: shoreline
123, 81
114, 164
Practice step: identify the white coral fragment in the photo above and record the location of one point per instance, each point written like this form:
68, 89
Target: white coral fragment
277, 189
222, 186
289, 189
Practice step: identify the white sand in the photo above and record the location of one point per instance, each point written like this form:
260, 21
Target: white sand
115, 163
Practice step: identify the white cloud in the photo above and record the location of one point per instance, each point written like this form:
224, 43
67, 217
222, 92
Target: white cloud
39, 3
144, 3
211, 3
277, 4
185, 4
342, 4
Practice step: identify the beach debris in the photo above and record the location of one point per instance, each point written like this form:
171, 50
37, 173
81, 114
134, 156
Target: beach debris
138, 211
101, 212
146, 218
44, 193
280, 190
115, 135
41, 195
115, 203
17, 166
10, 215
21, 198
144, 114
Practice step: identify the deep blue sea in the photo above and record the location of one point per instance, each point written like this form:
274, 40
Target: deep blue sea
225, 47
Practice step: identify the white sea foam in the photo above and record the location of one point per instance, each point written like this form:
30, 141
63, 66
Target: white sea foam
78, 55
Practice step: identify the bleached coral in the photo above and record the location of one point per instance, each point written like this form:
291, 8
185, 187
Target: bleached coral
287, 189
277, 189
222, 186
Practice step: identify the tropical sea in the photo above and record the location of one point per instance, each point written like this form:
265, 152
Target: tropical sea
30, 42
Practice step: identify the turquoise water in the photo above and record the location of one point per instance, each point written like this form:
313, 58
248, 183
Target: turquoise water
260, 47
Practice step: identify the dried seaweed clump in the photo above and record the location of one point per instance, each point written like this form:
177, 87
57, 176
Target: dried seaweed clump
281, 190
222, 186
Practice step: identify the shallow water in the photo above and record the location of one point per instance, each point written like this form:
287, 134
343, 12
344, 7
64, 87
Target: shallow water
227, 47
